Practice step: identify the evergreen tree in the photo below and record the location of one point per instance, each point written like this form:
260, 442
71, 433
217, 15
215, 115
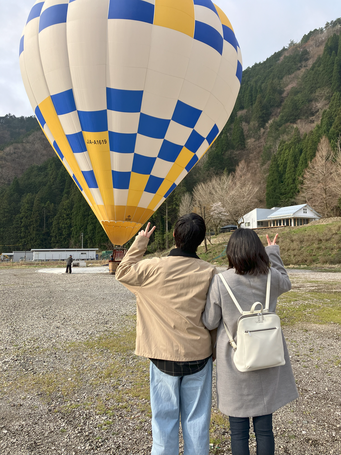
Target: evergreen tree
273, 185
238, 137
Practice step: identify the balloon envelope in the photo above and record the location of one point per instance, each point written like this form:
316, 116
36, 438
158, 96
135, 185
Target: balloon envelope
130, 94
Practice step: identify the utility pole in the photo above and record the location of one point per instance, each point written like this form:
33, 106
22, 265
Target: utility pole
82, 239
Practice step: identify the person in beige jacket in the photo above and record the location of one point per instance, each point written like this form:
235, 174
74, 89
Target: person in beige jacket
170, 296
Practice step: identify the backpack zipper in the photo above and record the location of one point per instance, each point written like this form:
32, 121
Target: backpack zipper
260, 330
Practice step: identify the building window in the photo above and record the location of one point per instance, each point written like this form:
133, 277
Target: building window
305, 210
247, 224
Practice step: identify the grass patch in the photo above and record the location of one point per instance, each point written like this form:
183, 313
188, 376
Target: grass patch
312, 307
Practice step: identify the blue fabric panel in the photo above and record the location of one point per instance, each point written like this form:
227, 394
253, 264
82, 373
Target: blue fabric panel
76, 142
194, 141
121, 180
93, 121
239, 72
186, 115
192, 163
64, 102
136, 10
172, 188
143, 164
77, 182
153, 184
124, 100
40, 117
153, 126
169, 151
122, 142
35, 11
209, 35
54, 15
230, 37
70, 1
207, 4
90, 179
212, 134
21, 45
57, 149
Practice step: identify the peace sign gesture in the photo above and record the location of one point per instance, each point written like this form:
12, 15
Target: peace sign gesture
269, 241
147, 233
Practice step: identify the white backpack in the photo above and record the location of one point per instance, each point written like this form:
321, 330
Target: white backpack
259, 342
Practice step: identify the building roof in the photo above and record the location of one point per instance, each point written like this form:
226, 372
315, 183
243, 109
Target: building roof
289, 211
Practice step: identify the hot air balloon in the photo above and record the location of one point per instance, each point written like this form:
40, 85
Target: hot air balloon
130, 94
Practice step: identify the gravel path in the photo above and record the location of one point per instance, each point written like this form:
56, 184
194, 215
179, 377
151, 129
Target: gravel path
67, 388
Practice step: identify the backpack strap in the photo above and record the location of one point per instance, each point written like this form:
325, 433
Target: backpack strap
235, 301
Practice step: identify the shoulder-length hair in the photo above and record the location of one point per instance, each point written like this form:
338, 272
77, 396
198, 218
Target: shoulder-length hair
246, 253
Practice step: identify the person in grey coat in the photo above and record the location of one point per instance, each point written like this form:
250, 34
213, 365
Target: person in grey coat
257, 394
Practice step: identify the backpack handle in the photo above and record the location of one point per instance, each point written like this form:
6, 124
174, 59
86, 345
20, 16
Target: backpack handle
253, 308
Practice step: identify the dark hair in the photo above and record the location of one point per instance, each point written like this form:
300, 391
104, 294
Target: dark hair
189, 232
246, 253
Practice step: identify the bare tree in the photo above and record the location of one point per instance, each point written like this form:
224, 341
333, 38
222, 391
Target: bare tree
236, 194
186, 204
321, 181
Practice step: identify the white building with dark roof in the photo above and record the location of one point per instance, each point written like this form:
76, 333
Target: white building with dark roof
295, 215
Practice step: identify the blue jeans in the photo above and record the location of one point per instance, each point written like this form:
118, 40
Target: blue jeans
239, 428
187, 397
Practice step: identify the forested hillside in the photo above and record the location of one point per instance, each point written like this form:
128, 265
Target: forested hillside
288, 108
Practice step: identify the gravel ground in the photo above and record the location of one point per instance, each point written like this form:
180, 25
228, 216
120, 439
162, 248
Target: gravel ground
46, 321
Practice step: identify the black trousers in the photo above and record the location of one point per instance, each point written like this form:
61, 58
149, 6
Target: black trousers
68, 269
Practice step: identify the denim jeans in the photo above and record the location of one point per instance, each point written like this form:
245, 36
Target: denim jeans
181, 397
240, 426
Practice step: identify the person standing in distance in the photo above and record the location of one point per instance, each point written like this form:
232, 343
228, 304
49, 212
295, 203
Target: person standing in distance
69, 261
170, 296
256, 394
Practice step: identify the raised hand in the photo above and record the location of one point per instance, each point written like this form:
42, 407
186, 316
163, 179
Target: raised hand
147, 233
269, 241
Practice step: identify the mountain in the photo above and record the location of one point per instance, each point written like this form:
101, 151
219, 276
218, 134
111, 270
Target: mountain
285, 106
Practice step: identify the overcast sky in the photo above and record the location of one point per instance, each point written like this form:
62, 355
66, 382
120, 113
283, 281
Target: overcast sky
262, 27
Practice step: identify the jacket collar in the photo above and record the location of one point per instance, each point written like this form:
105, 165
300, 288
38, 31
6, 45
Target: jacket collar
180, 252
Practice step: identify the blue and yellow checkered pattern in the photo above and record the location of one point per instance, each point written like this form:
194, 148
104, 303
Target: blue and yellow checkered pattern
130, 94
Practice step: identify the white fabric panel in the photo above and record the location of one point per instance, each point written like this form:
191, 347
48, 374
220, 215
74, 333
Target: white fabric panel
177, 134
202, 149
54, 57
123, 122
194, 95
67, 167
146, 199
181, 177
34, 69
70, 123
161, 168
240, 56
83, 161
157, 105
204, 125
87, 35
121, 162
163, 56
148, 146
120, 196
49, 3
228, 67
96, 195
209, 17
196, 73
128, 59
48, 133
214, 109
157, 82
26, 82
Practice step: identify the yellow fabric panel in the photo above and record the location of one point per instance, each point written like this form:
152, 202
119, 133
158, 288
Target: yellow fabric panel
49, 113
175, 171
120, 233
98, 148
120, 211
142, 215
184, 157
223, 18
176, 15
166, 184
137, 185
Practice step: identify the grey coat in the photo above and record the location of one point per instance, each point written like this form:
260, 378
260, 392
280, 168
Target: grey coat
252, 393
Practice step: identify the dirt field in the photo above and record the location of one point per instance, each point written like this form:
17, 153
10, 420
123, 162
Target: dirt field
70, 383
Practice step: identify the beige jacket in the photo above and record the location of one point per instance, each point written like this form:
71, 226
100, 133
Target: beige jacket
170, 296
